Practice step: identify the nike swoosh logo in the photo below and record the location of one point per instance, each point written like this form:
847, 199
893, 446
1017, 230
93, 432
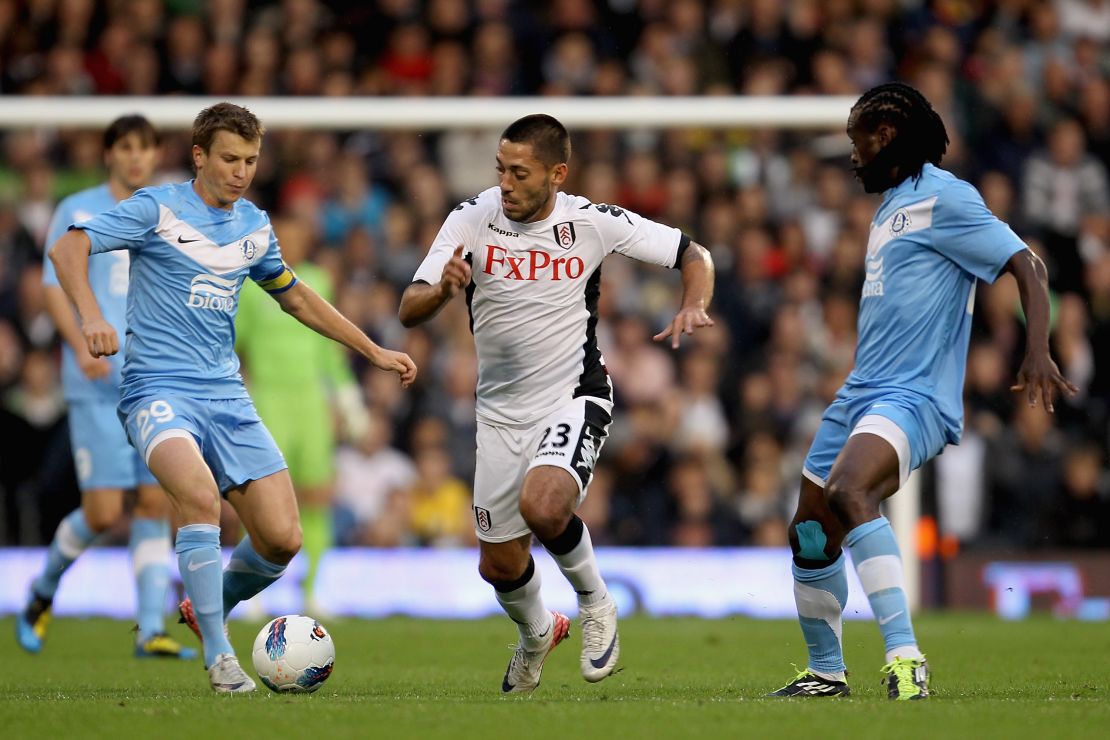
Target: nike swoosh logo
884, 620
599, 662
544, 633
183, 240
193, 567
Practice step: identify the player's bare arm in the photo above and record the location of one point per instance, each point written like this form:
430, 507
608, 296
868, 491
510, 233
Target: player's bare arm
421, 301
697, 292
70, 255
306, 306
65, 321
1038, 375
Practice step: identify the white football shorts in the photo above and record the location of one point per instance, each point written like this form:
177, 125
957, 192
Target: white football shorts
569, 438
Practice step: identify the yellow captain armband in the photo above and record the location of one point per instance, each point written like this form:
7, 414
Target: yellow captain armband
280, 282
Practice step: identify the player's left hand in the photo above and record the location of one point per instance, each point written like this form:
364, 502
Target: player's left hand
397, 362
1039, 375
685, 322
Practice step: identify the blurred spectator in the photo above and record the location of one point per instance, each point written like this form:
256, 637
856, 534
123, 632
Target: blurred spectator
40, 480
369, 476
183, 61
1085, 18
642, 372
1062, 185
17, 254
355, 202
440, 506
701, 518
1025, 471
1080, 515
702, 425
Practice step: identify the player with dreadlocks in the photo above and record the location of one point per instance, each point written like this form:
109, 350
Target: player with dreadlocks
931, 239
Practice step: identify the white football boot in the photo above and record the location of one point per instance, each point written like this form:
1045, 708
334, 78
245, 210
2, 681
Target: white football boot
228, 677
601, 645
523, 674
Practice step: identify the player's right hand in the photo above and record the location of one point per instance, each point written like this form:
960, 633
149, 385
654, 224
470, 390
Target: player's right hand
93, 368
456, 274
100, 337
397, 362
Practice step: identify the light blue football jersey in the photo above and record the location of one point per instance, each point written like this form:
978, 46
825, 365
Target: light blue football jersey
930, 240
108, 275
188, 262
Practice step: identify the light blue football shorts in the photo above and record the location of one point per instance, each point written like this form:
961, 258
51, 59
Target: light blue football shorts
101, 453
233, 440
908, 421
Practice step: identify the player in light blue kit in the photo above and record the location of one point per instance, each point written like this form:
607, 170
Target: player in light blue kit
106, 464
931, 240
183, 401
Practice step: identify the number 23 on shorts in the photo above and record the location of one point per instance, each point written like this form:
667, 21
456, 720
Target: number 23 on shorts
562, 436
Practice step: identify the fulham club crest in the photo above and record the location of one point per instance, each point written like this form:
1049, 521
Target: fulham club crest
564, 234
482, 517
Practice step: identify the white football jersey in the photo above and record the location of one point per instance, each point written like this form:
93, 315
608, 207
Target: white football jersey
533, 296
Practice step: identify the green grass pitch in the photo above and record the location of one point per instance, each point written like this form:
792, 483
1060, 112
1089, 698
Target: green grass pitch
406, 678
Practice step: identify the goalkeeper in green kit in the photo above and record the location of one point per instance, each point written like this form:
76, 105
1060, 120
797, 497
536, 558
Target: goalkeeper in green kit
299, 381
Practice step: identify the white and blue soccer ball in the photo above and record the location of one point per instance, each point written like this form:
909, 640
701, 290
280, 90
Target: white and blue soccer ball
293, 654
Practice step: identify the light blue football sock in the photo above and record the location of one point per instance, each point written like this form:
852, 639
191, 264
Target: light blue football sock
879, 566
150, 560
821, 595
71, 539
198, 559
247, 574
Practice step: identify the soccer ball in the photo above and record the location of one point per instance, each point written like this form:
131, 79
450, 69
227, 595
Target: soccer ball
293, 654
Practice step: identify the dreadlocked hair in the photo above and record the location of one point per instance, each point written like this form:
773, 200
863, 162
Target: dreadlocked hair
921, 134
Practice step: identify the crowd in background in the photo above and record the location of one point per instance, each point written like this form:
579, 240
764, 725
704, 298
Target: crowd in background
708, 442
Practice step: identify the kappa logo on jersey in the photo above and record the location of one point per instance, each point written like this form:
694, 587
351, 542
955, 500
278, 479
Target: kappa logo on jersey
564, 234
213, 293
536, 265
483, 518
502, 232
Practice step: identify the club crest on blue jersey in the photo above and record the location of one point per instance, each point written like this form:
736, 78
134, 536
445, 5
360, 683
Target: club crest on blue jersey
900, 221
249, 249
275, 641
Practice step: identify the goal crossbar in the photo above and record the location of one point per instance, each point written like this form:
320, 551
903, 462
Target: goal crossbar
174, 112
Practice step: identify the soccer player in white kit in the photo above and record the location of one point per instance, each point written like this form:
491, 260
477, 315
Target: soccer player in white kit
529, 260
